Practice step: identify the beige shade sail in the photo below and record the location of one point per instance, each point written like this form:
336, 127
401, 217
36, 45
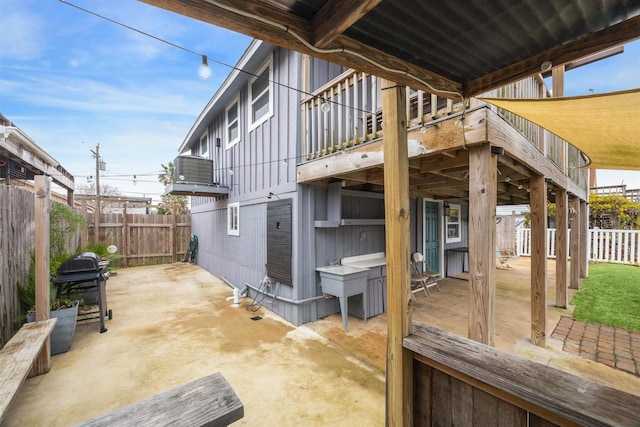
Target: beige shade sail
605, 127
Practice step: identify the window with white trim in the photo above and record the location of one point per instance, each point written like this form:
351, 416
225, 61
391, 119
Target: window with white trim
261, 95
233, 219
233, 123
453, 224
204, 145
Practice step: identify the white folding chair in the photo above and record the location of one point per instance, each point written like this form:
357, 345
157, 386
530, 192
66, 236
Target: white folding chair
422, 275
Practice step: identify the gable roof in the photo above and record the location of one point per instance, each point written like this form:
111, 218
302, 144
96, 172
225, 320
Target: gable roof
250, 60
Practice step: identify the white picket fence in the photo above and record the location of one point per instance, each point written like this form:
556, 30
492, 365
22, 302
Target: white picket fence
620, 246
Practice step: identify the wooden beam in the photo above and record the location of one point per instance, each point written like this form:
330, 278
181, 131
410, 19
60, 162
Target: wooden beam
576, 234
396, 203
538, 205
512, 164
335, 16
42, 198
562, 225
437, 164
557, 81
482, 243
275, 25
560, 397
436, 140
563, 53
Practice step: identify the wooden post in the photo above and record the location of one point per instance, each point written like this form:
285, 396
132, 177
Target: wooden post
576, 234
583, 213
542, 93
538, 205
305, 68
125, 238
174, 235
42, 199
483, 194
84, 232
396, 202
562, 226
70, 200
557, 89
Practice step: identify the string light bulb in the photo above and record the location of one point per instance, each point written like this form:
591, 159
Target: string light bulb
204, 71
324, 105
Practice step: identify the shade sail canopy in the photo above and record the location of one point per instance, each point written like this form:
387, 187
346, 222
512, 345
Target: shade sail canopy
606, 127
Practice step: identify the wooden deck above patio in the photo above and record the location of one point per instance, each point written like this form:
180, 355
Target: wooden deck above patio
439, 160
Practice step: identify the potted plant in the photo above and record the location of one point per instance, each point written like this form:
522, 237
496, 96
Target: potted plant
65, 310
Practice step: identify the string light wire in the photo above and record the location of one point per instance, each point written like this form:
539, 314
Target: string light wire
200, 55
287, 30
284, 28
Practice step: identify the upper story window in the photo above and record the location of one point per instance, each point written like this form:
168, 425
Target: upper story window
233, 123
261, 95
204, 145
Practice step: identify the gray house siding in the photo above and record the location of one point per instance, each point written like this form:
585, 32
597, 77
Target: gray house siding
263, 162
335, 243
323, 72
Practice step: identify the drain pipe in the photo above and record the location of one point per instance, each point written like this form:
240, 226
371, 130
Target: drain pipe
279, 298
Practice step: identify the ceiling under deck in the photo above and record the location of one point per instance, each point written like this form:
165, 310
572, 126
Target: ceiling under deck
445, 176
457, 48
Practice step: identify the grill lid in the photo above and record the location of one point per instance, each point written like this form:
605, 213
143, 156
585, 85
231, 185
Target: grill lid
84, 262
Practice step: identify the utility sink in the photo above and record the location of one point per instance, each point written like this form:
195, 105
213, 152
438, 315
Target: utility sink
344, 281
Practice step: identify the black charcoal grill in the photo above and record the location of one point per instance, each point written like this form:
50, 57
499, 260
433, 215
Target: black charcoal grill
87, 274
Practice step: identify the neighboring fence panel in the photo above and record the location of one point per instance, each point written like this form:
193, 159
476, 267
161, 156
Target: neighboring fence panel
16, 245
619, 246
144, 239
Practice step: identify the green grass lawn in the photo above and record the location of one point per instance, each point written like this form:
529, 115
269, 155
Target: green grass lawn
610, 296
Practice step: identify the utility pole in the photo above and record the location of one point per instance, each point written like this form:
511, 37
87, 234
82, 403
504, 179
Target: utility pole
100, 165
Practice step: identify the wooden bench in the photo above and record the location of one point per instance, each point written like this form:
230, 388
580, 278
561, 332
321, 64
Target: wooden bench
17, 357
208, 401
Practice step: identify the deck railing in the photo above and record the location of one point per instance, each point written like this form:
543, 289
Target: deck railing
457, 381
347, 111
618, 246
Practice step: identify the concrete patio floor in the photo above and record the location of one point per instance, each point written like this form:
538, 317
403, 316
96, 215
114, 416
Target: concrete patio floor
173, 324
447, 310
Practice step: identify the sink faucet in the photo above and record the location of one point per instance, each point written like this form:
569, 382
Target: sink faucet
335, 262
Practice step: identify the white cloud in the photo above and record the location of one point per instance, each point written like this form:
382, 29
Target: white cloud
21, 34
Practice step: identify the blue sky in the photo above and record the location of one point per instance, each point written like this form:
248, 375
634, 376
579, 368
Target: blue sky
70, 80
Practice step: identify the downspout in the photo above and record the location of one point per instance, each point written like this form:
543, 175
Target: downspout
279, 298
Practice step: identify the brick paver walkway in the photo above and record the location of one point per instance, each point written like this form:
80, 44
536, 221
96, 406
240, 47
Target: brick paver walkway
615, 347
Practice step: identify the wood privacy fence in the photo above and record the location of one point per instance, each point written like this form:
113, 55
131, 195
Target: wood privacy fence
143, 239
140, 238
16, 245
618, 246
